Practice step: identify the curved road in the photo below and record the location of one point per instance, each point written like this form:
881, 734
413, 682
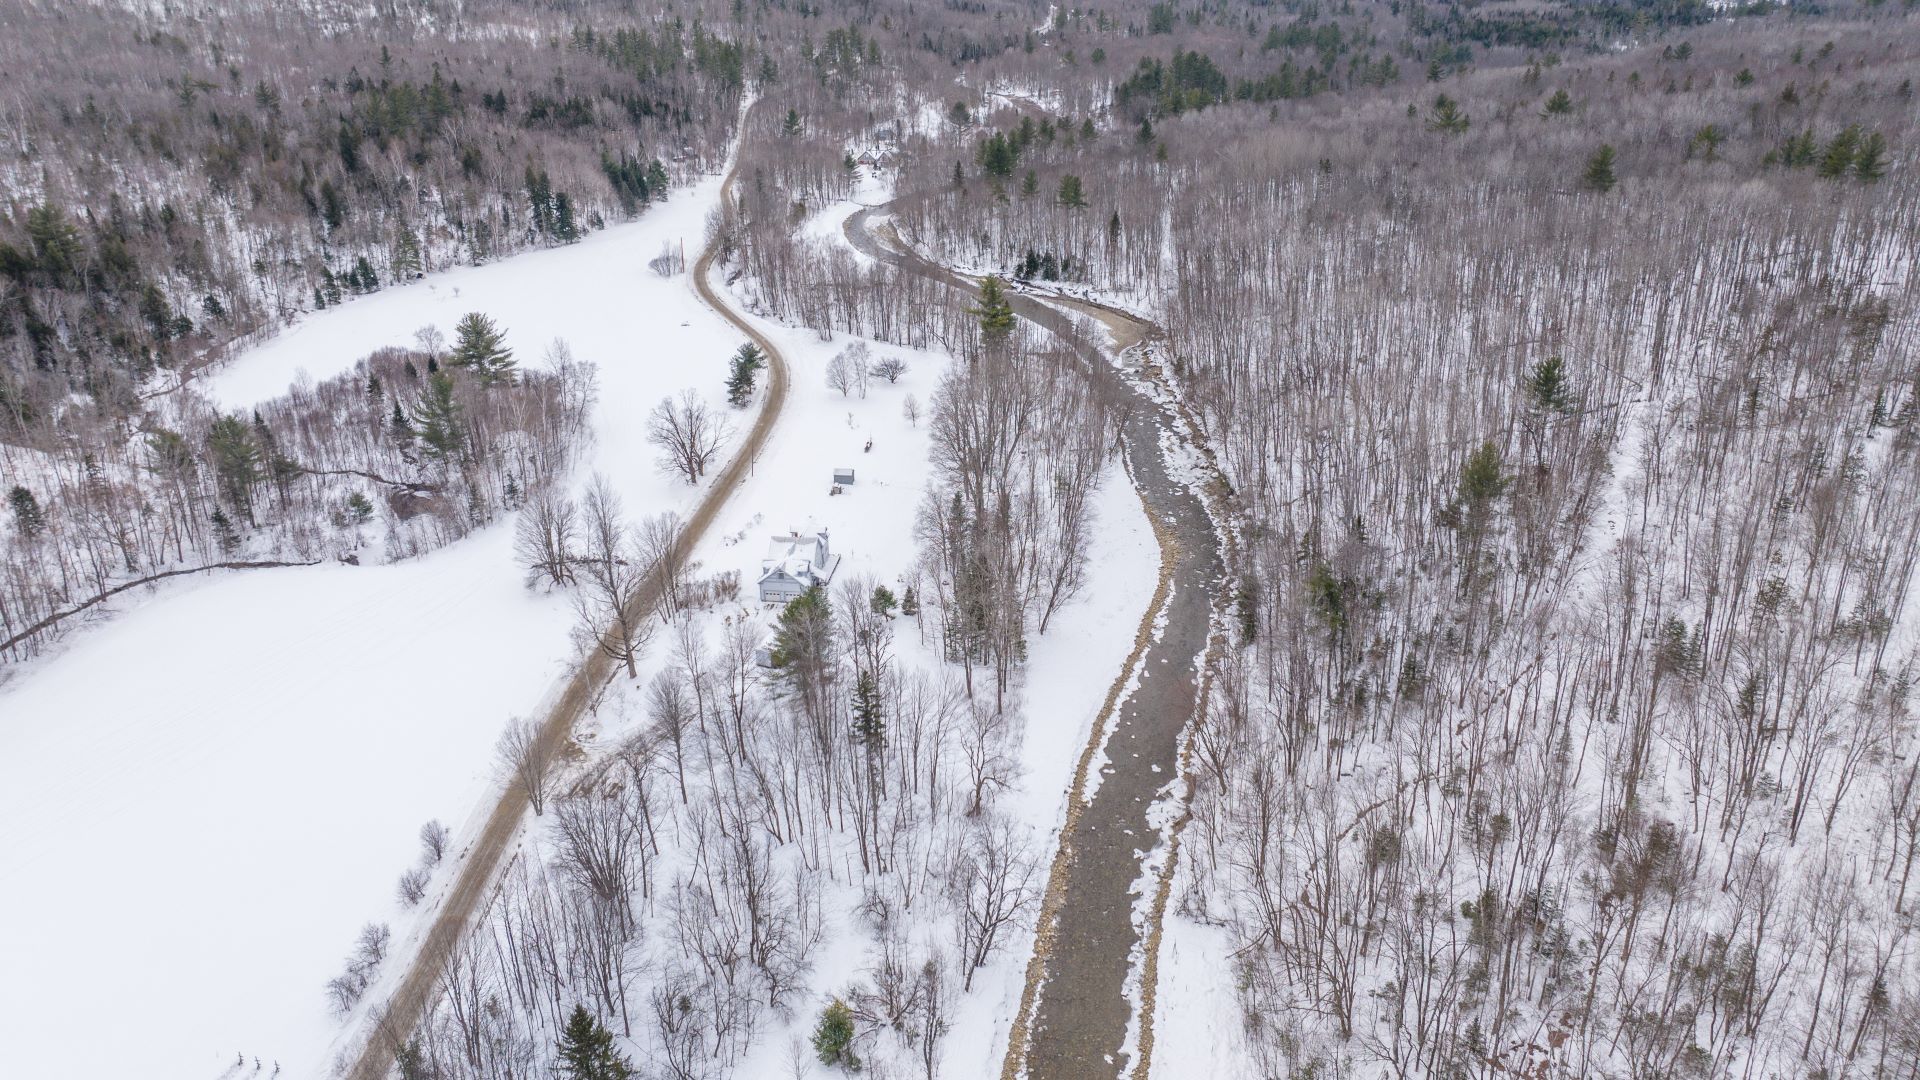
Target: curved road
1073, 1022
492, 850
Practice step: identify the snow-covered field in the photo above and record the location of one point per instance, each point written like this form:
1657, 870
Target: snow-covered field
210, 794
207, 797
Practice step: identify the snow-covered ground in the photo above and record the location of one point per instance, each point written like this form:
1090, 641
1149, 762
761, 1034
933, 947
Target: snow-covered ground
1070, 668
206, 798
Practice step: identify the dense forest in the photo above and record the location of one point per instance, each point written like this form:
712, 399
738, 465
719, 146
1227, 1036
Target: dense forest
1567, 404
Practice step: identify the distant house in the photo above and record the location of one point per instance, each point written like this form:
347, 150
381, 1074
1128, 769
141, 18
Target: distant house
867, 158
843, 476
795, 563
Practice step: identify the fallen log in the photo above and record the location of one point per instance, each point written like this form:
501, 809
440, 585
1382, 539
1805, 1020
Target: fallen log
57, 617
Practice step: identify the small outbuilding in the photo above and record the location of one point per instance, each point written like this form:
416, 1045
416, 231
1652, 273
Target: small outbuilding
843, 477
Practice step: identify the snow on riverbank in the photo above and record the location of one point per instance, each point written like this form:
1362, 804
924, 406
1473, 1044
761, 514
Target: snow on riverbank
206, 797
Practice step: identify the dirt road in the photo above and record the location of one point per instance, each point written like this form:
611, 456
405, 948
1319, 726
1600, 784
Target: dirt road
490, 851
1073, 1023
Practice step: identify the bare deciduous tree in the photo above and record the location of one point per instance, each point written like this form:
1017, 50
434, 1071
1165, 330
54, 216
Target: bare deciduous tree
543, 539
433, 842
992, 887
610, 568
528, 761
689, 435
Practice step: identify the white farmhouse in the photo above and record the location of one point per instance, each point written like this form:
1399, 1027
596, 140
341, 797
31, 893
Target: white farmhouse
795, 563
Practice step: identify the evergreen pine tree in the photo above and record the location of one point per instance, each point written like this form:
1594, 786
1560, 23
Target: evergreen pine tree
406, 255
747, 361
1547, 386
540, 200
996, 313
28, 518
1072, 194
223, 531
479, 347
1837, 160
236, 461
883, 601
910, 603
1598, 175
1447, 117
869, 725
565, 228
1870, 164
1481, 485
1559, 104
1799, 150
437, 418
586, 1051
833, 1037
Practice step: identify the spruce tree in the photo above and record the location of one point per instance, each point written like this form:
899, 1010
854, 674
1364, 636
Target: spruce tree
1559, 104
910, 603
224, 532
1072, 194
586, 1050
833, 1037
747, 362
28, 518
996, 313
1598, 175
479, 347
1547, 386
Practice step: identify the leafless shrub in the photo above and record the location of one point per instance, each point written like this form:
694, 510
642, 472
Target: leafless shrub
413, 886
433, 842
345, 990
669, 262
